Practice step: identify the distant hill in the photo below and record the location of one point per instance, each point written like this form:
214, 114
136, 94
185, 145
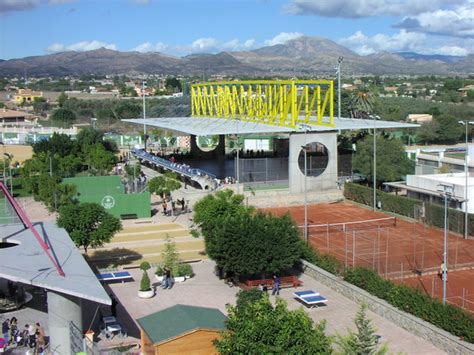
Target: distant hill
303, 57
431, 57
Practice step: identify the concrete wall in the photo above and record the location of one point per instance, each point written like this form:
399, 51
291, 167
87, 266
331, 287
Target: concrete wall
62, 309
328, 179
438, 337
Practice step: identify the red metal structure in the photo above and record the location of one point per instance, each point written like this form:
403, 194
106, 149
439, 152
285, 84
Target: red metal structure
27, 223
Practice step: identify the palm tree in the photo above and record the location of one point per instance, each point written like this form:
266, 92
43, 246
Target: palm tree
361, 105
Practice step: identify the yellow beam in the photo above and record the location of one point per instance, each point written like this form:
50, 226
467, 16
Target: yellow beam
278, 102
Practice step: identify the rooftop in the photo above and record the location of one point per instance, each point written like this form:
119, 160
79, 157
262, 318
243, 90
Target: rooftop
180, 319
203, 126
27, 263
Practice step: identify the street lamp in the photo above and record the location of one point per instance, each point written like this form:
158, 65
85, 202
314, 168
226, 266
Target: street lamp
447, 193
375, 118
338, 72
94, 120
466, 123
144, 84
305, 150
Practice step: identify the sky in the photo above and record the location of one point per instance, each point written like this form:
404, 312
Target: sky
182, 27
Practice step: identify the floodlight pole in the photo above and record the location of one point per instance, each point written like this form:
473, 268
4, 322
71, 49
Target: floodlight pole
447, 193
375, 165
305, 186
338, 68
144, 113
466, 123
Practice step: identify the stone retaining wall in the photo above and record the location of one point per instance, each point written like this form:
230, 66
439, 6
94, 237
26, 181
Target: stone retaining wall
436, 336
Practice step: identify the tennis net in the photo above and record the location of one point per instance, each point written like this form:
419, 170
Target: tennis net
354, 225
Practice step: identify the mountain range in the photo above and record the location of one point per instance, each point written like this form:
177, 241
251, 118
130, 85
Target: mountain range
303, 57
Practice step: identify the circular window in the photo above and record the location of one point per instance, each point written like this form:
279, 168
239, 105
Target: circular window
317, 158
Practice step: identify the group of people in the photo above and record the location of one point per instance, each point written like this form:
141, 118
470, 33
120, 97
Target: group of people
275, 287
31, 336
166, 201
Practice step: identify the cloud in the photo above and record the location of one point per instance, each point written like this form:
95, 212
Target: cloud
205, 44
365, 8
80, 46
59, 2
149, 47
456, 22
452, 50
401, 41
407, 41
17, 5
282, 37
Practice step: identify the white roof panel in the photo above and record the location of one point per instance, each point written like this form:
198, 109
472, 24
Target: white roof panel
204, 126
28, 263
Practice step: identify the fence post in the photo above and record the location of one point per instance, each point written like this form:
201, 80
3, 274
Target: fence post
463, 295
353, 248
327, 236
401, 272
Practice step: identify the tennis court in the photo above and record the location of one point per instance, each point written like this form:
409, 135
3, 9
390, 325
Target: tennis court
395, 248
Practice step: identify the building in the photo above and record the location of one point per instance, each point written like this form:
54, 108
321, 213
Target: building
429, 188
181, 329
26, 96
14, 118
419, 117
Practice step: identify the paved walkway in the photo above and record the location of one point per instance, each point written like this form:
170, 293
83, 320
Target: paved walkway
207, 290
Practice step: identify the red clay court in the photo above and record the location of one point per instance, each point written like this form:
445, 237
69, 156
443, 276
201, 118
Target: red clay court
395, 248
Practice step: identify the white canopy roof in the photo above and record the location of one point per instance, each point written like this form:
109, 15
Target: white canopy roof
204, 126
27, 262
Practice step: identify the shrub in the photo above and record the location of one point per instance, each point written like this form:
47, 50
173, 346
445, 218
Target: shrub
159, 270
324, 261
184, 270
145, 282
450, 318
145, 265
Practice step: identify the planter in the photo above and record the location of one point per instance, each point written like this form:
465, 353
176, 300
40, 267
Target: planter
146, 294
179, 278
159, 278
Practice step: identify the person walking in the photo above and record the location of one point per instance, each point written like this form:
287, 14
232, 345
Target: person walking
276, 285
113, 306
6, 330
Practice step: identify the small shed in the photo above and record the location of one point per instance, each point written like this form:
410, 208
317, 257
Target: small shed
181, 329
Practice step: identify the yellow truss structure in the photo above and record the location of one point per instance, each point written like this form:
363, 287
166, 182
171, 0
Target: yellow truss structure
277, 102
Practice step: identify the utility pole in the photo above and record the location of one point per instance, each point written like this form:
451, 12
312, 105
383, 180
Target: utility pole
466, 124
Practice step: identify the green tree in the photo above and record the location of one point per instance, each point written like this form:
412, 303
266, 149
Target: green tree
63, 116
128, 109
62, 99
164, 184
392, 161
364, 341
449, 130
170, 254
99, 159
243, 242
50, 191
88, 224
40, 105
428, 132
261, 328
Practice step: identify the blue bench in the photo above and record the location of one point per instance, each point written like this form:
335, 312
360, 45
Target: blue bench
114, 276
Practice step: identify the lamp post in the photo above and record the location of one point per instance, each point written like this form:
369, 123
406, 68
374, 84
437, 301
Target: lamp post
447, 193
94, 120
144, 113
305, 154
375, 117
466, 123
338, 72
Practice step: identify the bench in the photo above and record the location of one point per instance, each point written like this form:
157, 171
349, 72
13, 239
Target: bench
114, 276
285, 281
128, 216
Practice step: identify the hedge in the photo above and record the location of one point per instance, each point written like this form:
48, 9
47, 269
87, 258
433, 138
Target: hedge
434, 213
450, 318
